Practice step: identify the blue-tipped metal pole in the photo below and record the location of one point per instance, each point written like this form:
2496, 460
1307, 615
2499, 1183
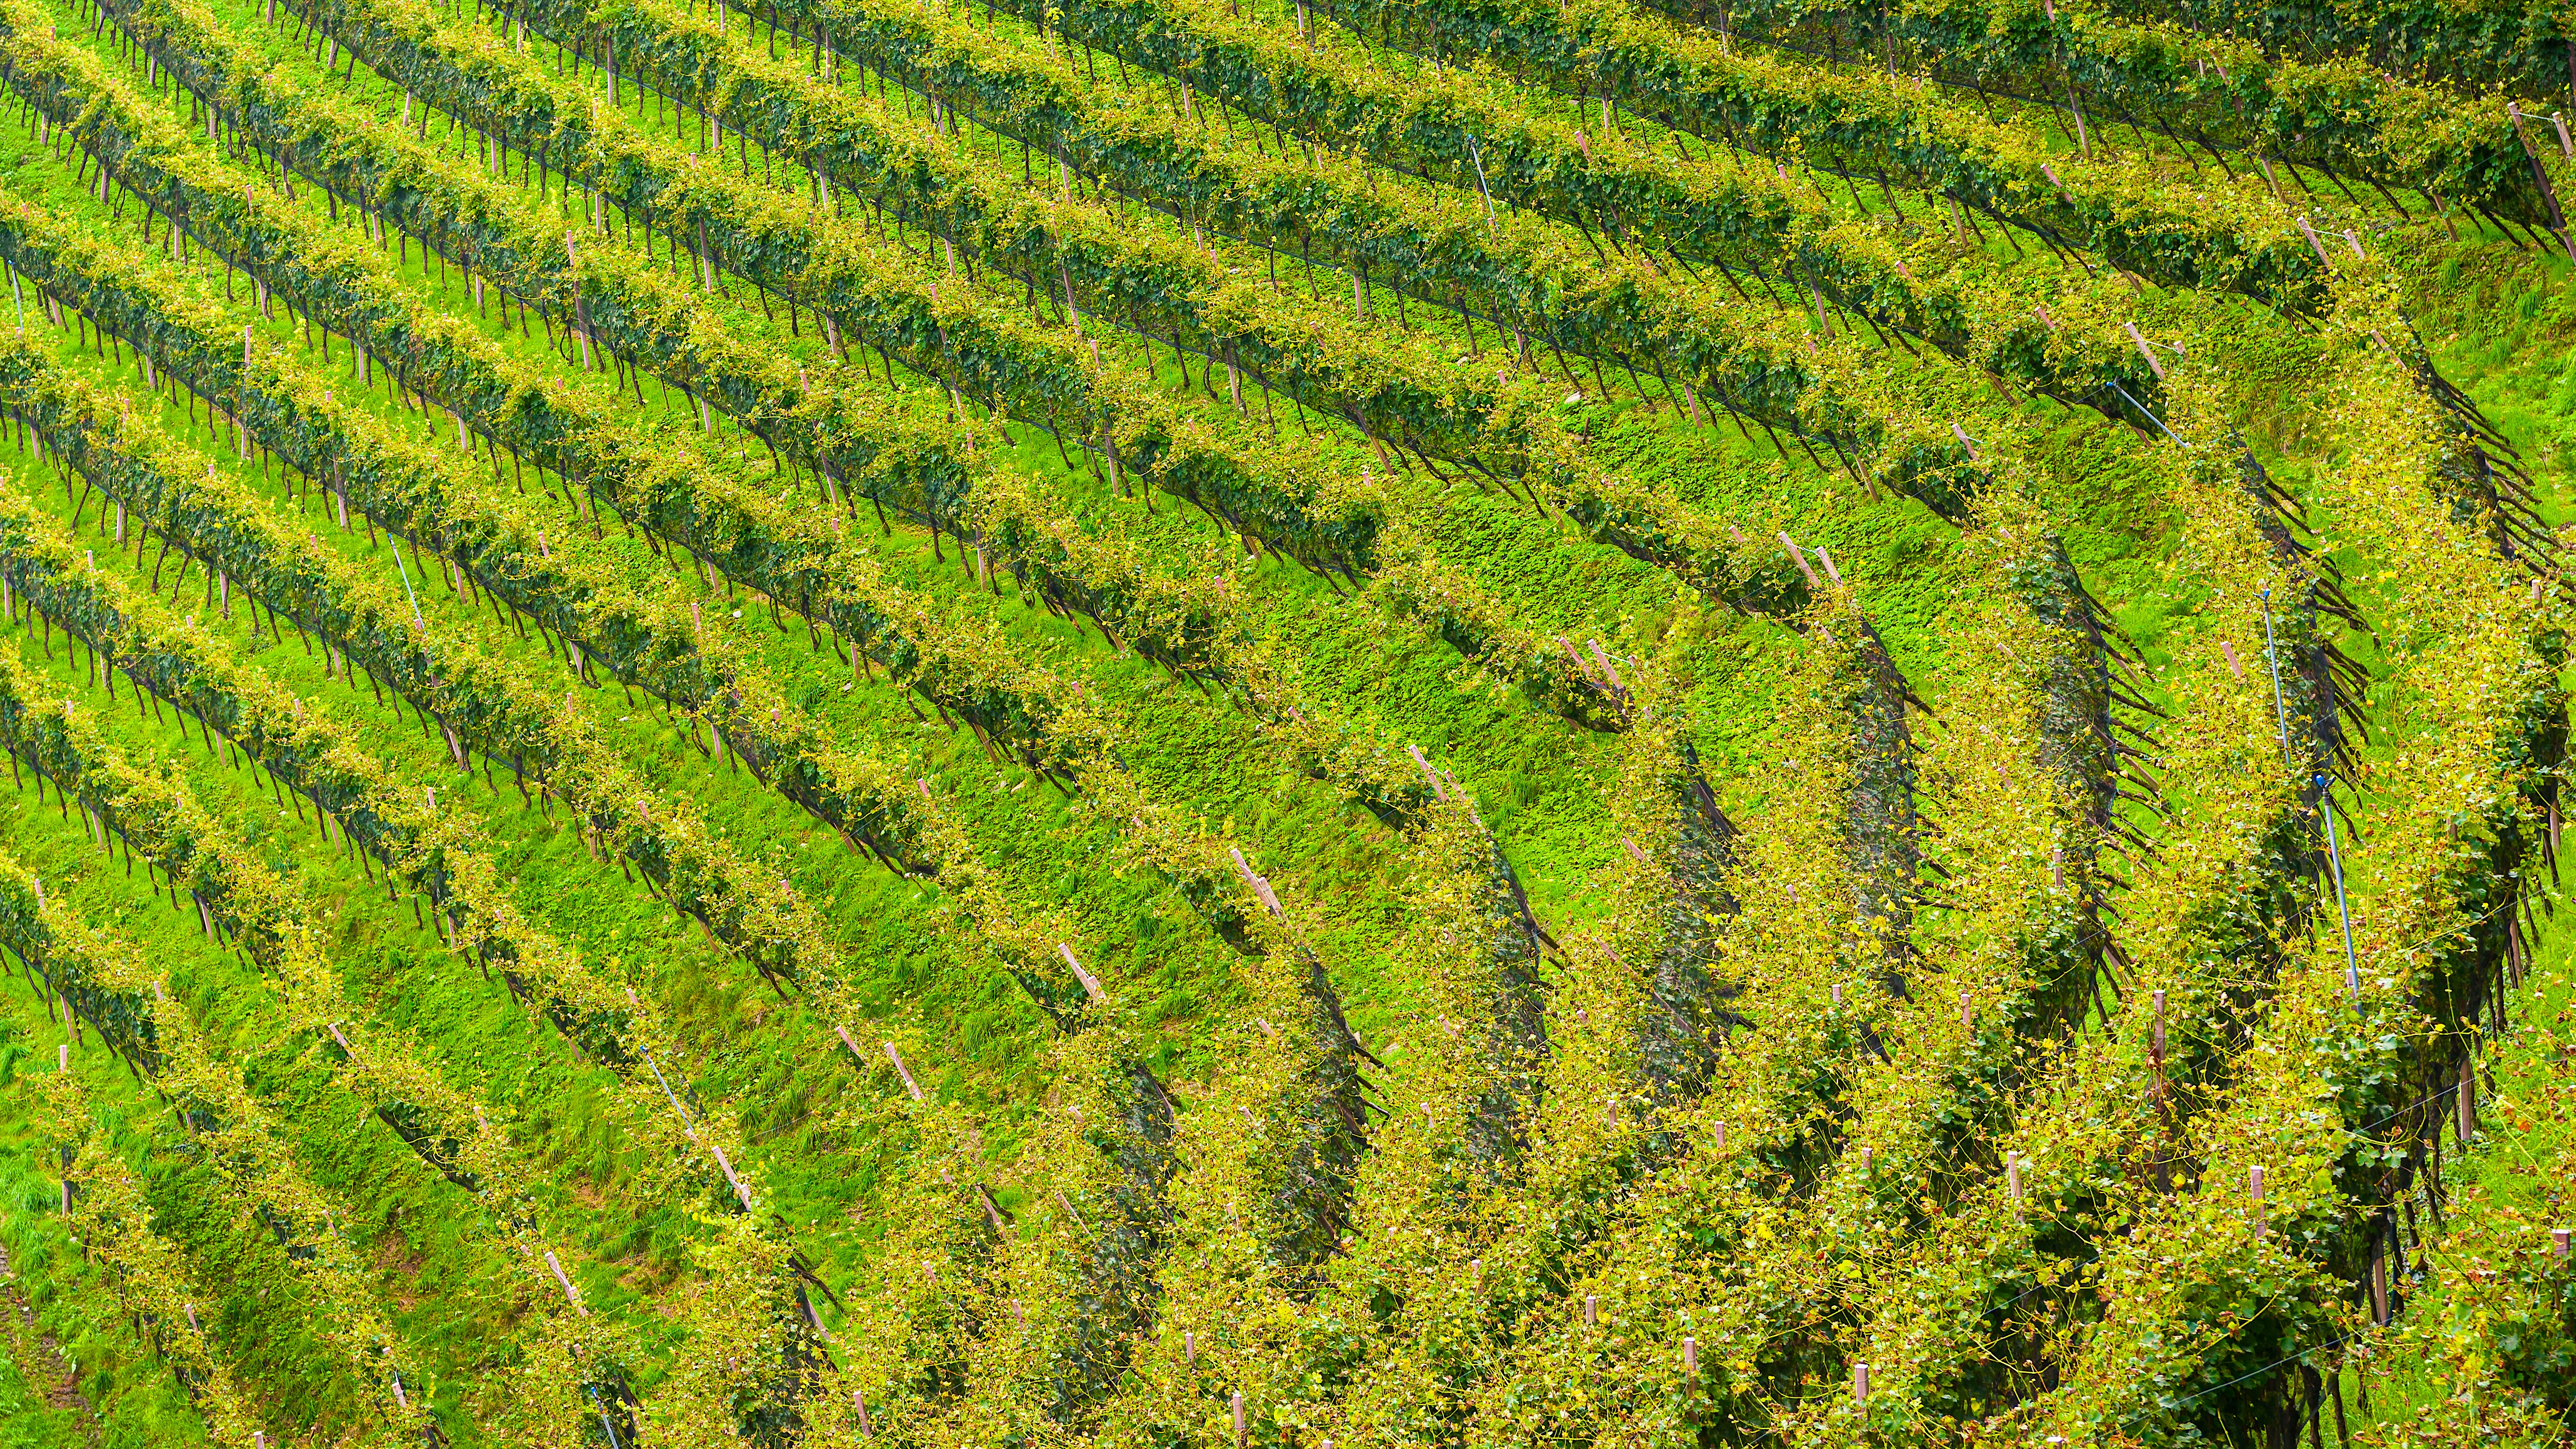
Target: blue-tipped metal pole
406, 578
2334, 858
2272, 657
603, 1417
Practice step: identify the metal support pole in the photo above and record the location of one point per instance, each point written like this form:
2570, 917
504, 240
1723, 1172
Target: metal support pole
2334, 857
2271, 656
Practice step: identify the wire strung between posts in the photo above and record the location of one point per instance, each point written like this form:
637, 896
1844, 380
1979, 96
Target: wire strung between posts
2336, 1342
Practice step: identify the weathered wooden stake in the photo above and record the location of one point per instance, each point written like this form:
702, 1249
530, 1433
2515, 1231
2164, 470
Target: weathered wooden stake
2465, 1121
1090, 983
569, 1296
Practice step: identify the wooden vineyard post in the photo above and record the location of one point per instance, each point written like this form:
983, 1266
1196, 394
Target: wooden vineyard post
565, 1279
2144, 351
1090, 983
2379, 1270
2465, 1121
2540, 180
2156, 1045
